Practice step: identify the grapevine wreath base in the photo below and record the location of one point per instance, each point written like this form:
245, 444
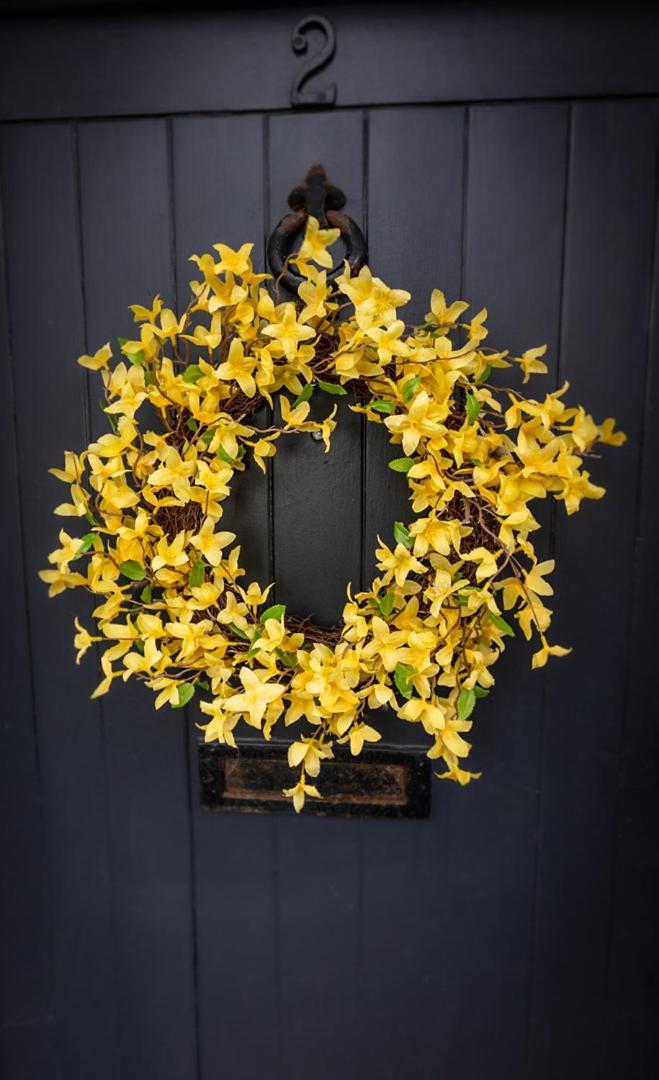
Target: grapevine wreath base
453, 582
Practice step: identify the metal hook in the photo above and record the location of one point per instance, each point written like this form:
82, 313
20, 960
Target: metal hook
318, 198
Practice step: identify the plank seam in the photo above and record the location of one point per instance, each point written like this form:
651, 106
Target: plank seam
285, 110
569, 155
77, 174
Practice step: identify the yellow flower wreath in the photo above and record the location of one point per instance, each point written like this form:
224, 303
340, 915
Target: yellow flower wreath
423, 638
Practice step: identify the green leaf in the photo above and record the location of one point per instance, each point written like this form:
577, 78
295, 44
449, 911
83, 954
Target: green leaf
472, 407
192, 373
203, 684
197, 574
136, 358
132, 570
207, 436
191, 424
254, 647
387, 604
274, 612
221, 453
87, 542
403, 676
383, 406
146, 595
462, 599
185, 694
110, 416
480, 692
90, 517
149, 378
501, 624
238, 631
484, 375
304, 395
402, 535
466, 703
401, 464
288, 659
332, 388
410, 388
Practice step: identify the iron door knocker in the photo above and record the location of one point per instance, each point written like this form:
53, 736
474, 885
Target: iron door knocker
318, 198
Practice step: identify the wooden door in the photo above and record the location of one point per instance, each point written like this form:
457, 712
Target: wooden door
508, 158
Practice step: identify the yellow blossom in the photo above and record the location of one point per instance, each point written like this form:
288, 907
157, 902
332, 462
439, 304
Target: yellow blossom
98, 360
316, 242
257, 696
299, 792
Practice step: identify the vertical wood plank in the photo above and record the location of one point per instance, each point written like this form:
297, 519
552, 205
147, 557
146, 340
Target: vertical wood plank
415, 242
514, 250
25, 985
317, 538
127, 253
631, 1042
608, 263
235, 869
46, 314
515, 220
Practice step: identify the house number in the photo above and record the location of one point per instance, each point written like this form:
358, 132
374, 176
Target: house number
315, 63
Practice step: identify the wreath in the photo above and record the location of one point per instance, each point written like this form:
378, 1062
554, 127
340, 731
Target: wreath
452, 582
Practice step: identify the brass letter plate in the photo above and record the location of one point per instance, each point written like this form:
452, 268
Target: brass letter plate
378, 783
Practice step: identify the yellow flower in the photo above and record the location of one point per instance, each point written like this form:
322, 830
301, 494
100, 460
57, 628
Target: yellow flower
144, 314
400, 562
607, 433
239, 367
486, 560
234, 262
308, 752
531, 363
257, 696
475, 328
360, 734
314, 294
299, 793
375, 303
83, 640
221, 725
316, 242
535, 582
385, 644
175, 473
388, 341
211, 544
422, 420
68, 552
288, 332
540, 657
98, 360
170, 553
431, 714
443, 317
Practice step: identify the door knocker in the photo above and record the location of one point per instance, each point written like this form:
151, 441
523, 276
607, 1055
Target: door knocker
315, 197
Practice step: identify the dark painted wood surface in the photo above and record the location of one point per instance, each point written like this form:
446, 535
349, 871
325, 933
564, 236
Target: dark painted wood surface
513, 935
